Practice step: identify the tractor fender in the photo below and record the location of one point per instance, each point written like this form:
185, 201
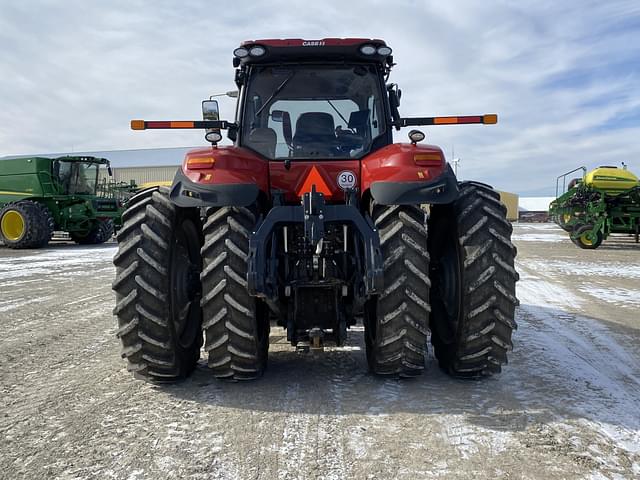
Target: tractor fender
441, 190
185, 193
232, 176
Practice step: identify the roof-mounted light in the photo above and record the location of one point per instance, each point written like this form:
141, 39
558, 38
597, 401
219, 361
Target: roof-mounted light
257, 51
241, 52
384, 51
367, 49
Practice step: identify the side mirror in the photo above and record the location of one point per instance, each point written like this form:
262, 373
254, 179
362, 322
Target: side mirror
109, 170
210, 111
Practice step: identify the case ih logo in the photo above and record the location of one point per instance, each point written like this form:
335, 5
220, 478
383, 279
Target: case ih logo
313, 43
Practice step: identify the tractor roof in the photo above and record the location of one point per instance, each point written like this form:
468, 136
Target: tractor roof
300, 50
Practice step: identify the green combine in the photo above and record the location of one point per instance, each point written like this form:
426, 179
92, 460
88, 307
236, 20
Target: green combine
603, 201
39, 195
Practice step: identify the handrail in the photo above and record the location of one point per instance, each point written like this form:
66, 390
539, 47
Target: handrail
564, 176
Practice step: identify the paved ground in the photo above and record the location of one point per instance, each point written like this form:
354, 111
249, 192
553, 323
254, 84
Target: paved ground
566, 406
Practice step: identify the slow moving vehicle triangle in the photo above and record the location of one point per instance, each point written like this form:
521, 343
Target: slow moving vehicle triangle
314, 178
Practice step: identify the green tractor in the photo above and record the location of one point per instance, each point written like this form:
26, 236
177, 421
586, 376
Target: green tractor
39, 195
603, 201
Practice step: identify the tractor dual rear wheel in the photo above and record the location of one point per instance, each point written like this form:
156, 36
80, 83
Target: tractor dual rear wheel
396, 323
236, 324
158, 288
25, 224
473, 283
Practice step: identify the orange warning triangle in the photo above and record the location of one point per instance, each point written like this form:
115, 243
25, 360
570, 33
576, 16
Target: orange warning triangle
314, 178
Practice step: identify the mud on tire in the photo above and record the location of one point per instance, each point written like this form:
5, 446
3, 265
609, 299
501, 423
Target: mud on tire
236, 325
473, 283
157, 287
396, 323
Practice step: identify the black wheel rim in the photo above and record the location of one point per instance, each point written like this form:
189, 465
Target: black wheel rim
185, 283
447, 278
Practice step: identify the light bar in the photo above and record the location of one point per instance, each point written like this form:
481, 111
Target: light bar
171, 124
488, 119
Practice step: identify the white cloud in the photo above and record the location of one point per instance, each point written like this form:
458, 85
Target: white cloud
560, 75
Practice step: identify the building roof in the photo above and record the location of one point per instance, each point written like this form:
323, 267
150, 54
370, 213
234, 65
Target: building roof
127, 158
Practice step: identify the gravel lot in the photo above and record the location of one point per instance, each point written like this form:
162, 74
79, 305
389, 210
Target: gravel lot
566, 406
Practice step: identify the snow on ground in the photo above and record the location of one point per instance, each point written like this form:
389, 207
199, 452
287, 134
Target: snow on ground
538, 232
565, 406
54, 259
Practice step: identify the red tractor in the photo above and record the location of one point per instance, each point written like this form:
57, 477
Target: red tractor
314, 220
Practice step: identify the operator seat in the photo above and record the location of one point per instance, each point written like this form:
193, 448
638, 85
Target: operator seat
315, 134
263, 141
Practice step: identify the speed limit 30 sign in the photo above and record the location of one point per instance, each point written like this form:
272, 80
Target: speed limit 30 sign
346, 179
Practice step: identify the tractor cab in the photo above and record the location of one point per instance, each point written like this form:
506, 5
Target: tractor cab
332, 106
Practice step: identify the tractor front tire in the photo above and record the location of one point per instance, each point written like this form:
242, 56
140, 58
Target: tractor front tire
236, 324
396, 323
473, 283
101, 232
157, 287
25, 224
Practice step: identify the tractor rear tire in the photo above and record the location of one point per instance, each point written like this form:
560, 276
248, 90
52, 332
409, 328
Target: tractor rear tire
101, 232
236, 324
158, 289
25, 224
396, 323
473, 276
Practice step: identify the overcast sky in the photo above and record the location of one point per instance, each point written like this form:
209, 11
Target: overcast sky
564, 77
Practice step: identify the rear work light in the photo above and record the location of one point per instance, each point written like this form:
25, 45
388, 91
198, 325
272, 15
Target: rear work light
384, 51
257, 51
367, 49
241, 52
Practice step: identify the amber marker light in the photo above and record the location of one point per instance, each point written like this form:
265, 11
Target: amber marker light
137, 124
427, 159
200, 162
490, 119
